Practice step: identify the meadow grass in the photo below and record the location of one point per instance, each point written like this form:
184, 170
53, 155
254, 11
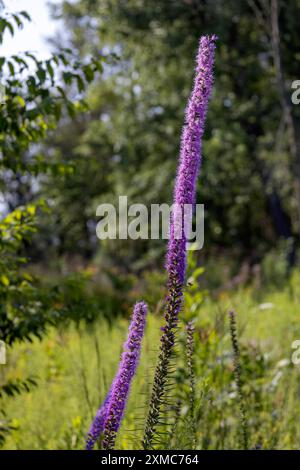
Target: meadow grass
75, 365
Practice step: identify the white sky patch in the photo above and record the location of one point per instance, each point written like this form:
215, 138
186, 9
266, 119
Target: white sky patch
33, 37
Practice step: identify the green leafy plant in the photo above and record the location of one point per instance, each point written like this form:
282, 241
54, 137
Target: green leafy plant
33, 103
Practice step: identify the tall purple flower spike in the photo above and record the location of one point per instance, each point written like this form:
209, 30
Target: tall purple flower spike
108, 418
121, 385
190, 154
97, 425
184, 193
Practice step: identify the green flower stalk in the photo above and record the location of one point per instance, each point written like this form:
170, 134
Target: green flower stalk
190, 349
238, 381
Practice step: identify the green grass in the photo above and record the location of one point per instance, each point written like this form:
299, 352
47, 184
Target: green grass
73, 378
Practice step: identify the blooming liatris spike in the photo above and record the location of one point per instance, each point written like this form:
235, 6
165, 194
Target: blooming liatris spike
190, 154
113, 410
184, 194
108, 418
97, 426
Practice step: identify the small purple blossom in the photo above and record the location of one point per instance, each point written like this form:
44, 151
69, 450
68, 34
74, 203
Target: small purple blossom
184, 194
110, 414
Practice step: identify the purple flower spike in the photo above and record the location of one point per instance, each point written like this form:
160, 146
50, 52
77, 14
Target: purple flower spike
190, 156
97, 426
110, 418
184, 194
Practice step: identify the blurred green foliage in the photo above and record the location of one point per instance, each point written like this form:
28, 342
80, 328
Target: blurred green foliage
129, 142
